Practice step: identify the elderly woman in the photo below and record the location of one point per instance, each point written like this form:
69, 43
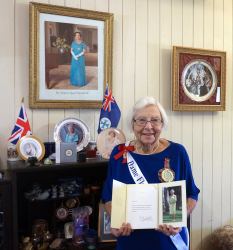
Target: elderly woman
158, 160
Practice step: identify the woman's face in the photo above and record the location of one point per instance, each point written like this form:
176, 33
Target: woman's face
77, 37
147, 134
111, 134
71, 128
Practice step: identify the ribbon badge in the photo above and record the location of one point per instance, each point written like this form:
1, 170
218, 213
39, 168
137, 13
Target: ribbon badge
123, 152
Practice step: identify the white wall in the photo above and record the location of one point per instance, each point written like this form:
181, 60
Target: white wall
144, 32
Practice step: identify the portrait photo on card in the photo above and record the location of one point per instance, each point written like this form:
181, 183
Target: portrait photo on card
172, 205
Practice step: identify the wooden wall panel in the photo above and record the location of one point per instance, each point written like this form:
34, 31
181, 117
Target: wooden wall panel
227, 122
197, 132
165, 59
7, 64
128, 42
73, 3
217, 128
187, 41
208, 132
116, 7
153, 48
141, 49
175, 124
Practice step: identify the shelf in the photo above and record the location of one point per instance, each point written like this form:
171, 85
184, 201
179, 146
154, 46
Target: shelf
20, 166
93, 173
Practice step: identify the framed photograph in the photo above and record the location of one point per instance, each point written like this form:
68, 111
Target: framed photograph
172, 204
199, 80
72, 130
104, 226
69, 230
70, 56
107, 139
30, 146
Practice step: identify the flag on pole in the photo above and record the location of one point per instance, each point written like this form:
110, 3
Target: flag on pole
22, 126
110, 113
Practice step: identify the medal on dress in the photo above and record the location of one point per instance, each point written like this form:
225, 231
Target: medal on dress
166, 174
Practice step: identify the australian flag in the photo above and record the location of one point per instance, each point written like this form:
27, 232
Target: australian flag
22, 126
110, 113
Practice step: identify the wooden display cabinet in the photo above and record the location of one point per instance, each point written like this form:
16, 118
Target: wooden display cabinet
26, 211
5, 215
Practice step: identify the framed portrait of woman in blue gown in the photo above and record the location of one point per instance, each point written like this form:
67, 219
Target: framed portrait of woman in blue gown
70, 56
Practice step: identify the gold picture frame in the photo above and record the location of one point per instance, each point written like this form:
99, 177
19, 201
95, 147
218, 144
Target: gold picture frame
104, 226
30, 146
199, 80
54, 81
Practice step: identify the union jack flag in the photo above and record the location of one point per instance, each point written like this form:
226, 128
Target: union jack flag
22, 126
110, 113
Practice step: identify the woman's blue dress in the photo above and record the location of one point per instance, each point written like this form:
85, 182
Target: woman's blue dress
71, 138
150, 165
77, 71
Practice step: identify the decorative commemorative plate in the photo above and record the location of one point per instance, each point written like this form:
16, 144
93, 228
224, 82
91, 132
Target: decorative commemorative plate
72, 130
199, 80
108, 139
30, 146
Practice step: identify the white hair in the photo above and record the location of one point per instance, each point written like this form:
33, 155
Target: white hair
147, 101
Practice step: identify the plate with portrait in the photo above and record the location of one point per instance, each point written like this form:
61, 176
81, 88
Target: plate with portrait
199, 80
108, 139
30, 146
72, 130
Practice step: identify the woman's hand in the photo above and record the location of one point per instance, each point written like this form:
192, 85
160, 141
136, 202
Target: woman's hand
124, 230
191, 203
169, 230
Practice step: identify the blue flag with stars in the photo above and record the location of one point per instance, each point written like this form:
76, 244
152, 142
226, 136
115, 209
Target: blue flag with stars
110, 113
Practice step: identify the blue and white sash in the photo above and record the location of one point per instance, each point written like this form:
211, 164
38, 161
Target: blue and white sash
135, 171
139, 178
178, 241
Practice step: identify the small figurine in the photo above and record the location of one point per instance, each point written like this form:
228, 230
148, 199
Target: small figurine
43, 195
27, 245
48, 161
47, 236
61, 192
81, 224
54, 192
33, 193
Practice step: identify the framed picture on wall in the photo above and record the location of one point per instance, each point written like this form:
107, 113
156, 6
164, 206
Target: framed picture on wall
104, 226
199, 80
70, 56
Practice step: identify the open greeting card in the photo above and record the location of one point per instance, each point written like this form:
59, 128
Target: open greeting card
147, 206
